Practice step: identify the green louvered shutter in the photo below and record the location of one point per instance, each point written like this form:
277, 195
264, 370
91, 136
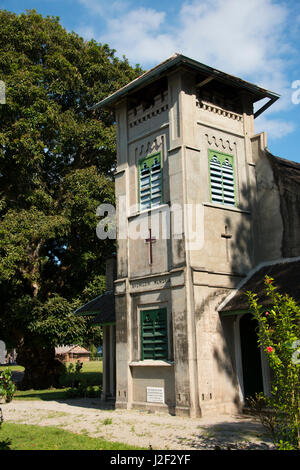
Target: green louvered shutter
221, 174
228, 182
154, 336
150, 182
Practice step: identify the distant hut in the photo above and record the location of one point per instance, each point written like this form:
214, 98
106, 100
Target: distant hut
72, 353
3, 352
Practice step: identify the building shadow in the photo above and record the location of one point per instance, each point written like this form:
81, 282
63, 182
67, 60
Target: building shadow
241, 435
91, 403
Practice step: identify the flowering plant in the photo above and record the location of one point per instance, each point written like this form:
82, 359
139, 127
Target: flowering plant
278, 335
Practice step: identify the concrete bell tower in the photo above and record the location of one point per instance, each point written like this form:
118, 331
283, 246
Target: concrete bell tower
185, 228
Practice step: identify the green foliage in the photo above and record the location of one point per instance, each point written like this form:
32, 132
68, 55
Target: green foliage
57, 160
93, 350
278, 334
74, 378
7, 386
107, 421
72, 374
84, 391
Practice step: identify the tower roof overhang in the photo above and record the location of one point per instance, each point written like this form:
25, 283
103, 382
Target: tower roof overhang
178, 60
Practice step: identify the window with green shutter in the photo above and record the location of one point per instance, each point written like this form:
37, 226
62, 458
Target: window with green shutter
221, 173
150, 181
154, 334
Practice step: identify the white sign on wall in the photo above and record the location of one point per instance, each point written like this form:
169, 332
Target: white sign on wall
155, 395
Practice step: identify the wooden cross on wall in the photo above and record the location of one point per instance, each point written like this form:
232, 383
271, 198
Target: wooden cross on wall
227, 237
150, 240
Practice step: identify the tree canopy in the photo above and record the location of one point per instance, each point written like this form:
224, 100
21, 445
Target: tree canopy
57, 159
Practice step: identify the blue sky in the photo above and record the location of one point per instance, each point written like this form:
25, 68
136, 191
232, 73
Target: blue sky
257, 40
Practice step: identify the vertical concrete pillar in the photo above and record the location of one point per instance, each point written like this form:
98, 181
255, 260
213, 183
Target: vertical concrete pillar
106, 387
104, 356
112, 362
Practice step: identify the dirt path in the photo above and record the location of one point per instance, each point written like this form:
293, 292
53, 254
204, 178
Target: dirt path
138, 428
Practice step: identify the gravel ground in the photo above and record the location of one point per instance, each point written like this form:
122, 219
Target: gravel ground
140, 428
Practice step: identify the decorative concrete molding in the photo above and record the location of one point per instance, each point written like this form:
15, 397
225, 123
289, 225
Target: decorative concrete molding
212, 108
149, 147
220, 143
138, 115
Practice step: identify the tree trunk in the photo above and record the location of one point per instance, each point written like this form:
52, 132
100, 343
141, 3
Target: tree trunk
42, 370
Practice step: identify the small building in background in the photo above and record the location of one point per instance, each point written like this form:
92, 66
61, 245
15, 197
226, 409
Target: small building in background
2, 352
72, 353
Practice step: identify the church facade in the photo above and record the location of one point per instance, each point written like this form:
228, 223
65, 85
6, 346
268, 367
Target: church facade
201, 207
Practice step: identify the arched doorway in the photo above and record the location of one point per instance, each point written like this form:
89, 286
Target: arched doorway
251, 357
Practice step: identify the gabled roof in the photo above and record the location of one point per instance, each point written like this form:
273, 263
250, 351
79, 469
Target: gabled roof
102, 307
177, 60
71, 348
286, 274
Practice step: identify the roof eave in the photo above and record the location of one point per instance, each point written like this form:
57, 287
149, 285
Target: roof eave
174, 61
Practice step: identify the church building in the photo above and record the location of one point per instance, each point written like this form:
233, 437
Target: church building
204, 212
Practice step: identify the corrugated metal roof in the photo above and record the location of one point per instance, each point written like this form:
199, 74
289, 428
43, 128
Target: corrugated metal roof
174, 61
71, 348
103, 307
286, 275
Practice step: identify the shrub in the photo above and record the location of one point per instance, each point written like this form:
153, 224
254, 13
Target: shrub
7, 386
84, 391
278, 334
78, 385
72, 375
94, 353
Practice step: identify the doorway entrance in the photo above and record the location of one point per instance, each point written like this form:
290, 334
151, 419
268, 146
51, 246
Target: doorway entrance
251, 357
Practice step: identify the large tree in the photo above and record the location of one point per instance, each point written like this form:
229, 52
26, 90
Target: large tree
56, 164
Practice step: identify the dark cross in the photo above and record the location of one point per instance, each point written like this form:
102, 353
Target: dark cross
150, 240
227, 236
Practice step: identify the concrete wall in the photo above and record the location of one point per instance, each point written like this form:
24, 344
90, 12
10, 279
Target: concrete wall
268, 218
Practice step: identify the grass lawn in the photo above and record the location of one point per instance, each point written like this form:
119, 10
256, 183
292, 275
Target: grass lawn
91, 367
91, 372
51, 394
27, 437
12, 368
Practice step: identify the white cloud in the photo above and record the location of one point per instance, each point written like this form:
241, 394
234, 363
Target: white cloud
93, 6
275, 128
87, 32
233, 35
104, 8
243, 38
138, 35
